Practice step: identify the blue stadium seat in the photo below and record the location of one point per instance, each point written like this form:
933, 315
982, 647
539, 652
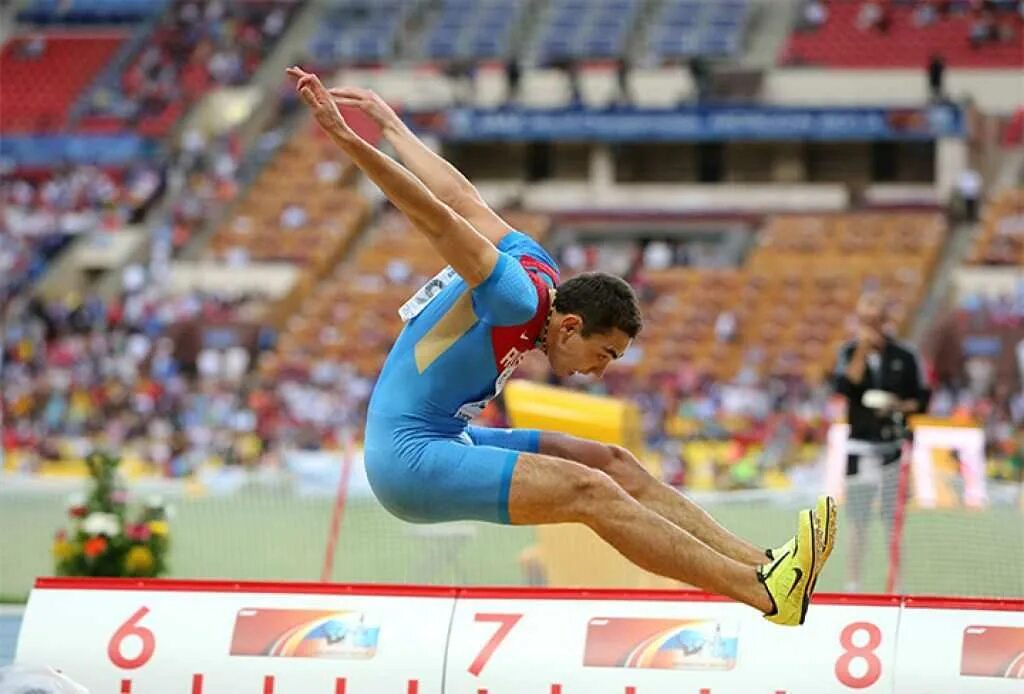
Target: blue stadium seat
89, 11
491, 47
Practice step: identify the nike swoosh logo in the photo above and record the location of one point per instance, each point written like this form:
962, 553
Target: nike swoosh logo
799, 576
775, 565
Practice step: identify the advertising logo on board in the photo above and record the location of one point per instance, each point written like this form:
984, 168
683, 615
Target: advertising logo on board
993, 652
661, 644
343, 635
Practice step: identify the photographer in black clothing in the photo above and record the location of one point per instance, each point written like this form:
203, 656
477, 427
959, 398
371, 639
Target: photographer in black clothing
883, 384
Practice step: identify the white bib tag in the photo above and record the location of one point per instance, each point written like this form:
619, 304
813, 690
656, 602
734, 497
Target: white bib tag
414, 306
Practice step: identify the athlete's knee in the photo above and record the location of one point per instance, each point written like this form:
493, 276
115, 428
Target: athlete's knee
590, 493
626, 470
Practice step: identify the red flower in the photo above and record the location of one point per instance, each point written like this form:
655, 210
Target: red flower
61, 536
95, 546
139, 533
78, 511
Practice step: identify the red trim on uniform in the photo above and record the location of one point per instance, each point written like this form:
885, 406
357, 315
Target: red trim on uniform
511, 342
534, 265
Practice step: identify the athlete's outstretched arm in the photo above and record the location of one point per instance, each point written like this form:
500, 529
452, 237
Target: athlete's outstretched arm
471, 255
443, 179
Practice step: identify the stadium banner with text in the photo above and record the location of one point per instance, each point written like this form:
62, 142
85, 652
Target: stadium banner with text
187, 636
45, 151
701, 123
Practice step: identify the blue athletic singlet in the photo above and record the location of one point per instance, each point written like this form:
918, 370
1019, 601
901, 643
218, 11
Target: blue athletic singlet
458, 348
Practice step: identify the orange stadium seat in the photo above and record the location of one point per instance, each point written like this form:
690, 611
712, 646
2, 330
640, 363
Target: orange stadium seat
353, 314
793, 296
333, 211
1001, 241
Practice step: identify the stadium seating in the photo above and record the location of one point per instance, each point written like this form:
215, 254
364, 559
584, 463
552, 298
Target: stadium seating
190, 51
358, 32
328, 210
585, 29
468, 29
1001, 241
792, 298
353, 315
687, 28
794, 318
43, 74
840, 43
89, 11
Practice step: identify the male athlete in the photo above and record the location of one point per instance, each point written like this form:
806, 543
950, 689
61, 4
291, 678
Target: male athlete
466, 332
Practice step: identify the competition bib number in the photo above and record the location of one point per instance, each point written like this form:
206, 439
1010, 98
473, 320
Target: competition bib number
419, 301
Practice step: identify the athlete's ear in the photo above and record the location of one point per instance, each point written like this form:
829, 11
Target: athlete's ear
571, 323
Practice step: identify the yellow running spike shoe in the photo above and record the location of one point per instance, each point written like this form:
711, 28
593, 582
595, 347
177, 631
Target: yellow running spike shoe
826, 517
788, 577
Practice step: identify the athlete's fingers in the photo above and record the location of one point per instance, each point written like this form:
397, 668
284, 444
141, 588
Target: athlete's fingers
309, 96
347, 92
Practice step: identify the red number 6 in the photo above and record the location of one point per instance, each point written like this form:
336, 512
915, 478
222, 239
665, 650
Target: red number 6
867, 652
126, 630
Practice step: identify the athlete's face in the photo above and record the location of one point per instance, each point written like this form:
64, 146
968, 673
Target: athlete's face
570, 353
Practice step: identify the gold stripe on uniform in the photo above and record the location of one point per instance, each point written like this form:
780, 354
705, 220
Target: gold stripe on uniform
453, 325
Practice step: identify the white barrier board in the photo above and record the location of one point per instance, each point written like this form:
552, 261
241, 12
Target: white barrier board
214, 641
980, 651
650, 647
159, 637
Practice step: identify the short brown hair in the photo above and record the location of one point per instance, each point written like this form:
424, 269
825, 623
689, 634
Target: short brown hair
604, 302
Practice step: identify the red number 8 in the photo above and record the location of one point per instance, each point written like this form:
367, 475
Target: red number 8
867, 652
132, 628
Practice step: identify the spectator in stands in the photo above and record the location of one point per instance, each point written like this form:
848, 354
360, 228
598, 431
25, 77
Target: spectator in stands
513, 73
32, 47
968, 186
657, 255
925, 14
874, 16
882, 382
815, 15
983, 29
294, 216
936, 76
700, 72
726, 327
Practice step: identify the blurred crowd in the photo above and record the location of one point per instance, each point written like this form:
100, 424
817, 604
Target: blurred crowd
82, 374
991, 21
198, 45
41, 212
980, 371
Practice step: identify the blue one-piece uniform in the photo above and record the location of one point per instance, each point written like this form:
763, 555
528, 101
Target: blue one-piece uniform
458, 348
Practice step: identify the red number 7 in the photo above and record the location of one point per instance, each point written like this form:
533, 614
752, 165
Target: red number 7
507, 622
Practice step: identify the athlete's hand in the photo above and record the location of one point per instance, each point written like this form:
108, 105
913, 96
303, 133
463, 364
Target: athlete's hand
319, 101
370, 103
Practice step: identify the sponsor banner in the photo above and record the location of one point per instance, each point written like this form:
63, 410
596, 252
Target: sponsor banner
651, 647
341, 634
949, 650
701, 124
41, 151
211, 642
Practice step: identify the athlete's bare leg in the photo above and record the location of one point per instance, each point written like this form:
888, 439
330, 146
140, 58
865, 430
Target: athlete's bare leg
554, 490
623, 467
